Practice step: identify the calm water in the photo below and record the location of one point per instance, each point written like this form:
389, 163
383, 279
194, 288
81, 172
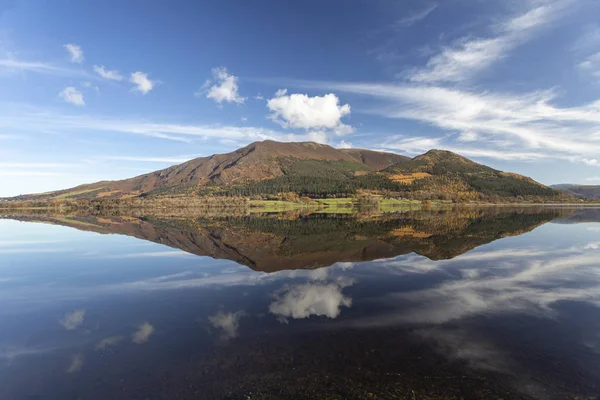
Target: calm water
479, 304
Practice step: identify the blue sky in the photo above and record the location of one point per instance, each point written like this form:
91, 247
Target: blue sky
109, 90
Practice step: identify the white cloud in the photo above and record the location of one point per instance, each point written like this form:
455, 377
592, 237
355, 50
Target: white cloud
593, 178
143, 333
259, 97
469, 56
303, 300
113, 74
591, 162
229, 323
304, 112
72, 95
416, 17
344, 145
225, 88
75, 53
141, 82
73, 320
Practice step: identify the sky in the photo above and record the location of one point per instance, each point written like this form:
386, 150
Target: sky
108, 90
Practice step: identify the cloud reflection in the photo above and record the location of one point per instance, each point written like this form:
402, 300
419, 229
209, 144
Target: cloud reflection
73, 320
143, 333
76, 364
303, 300
229, 323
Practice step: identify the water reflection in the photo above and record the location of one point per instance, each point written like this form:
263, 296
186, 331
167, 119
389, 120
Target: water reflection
426, 305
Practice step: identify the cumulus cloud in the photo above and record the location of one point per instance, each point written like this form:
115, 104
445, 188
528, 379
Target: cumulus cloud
229, 323
73, 320
112, 75
72, 95
469, 56
75, 53
143, 333
311, 113
142, 83
345, 145
303, 300
224, 87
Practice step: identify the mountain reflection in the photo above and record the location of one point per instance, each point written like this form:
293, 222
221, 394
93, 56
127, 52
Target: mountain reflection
439, 310
272, 243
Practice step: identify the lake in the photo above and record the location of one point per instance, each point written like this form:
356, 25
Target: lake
493, 303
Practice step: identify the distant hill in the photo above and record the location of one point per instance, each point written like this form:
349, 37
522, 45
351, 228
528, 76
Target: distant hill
588, 192
271, 169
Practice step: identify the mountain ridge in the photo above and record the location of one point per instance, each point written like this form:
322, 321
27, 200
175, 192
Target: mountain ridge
587, 192
270, 169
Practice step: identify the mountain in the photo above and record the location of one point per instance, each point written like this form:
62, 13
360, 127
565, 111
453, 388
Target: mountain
587, 192
271, 170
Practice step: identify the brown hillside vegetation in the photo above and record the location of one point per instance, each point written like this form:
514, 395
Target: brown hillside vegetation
273, 170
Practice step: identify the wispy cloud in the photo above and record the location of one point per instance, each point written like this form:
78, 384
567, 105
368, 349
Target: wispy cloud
112, 75
168, 160
34, 165
412, 19
17, 119
469, 56
591, 66
32, 173
14, 65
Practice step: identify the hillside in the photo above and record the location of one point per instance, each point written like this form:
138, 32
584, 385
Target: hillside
587, 192
443, 174
288, 170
